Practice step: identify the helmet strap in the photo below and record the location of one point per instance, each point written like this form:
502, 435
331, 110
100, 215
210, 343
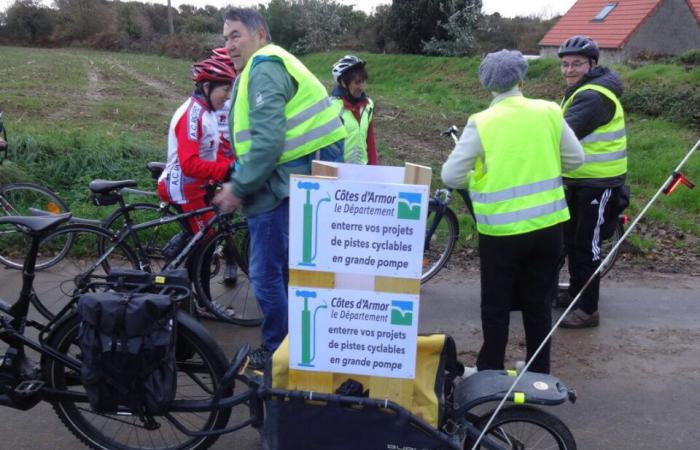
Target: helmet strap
206, 90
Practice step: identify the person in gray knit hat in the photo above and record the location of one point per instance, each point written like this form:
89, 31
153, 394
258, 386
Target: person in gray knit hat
511, 157
500, 71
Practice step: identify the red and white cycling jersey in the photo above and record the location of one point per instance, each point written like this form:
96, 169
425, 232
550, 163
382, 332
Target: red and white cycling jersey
197, 153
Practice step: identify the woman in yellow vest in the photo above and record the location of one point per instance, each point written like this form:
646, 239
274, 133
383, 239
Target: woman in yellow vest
516, 149
355, 109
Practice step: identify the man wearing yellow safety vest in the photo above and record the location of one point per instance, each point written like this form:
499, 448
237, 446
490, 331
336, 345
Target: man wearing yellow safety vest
281, 118
592, 109
516, 149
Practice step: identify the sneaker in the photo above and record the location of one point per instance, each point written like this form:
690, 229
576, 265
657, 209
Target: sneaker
258, 358
580, 319
230, 274
468, 371
223, 311
563, 300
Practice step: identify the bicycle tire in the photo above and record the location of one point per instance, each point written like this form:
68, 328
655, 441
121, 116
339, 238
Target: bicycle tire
200, 366
17, 199
605, 248
56, 285
152, 239
440, 243
214, 293
525, 427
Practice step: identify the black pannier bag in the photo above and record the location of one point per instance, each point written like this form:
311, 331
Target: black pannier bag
127, 342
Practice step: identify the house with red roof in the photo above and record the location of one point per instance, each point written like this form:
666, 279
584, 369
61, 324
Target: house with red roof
626, 29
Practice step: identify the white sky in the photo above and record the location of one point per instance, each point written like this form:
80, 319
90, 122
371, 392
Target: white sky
509, 8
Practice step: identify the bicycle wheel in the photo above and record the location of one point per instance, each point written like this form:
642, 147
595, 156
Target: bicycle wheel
525, 428
230, 303
200, 366
439, 241
151, 240
82, 263
19, 199
605, 248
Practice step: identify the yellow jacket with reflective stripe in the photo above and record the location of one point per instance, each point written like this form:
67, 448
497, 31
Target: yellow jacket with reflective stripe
356, 141
606, 148
312, 121
516, 187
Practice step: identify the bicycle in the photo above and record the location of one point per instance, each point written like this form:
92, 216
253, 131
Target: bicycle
56, 377
442, 232
207, 392
23, 199
97, 251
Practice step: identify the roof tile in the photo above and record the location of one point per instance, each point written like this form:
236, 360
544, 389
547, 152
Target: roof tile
614, 30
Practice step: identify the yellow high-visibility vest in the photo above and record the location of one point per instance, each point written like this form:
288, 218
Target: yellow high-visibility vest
606, 148
356, 141
312, 121
517, 188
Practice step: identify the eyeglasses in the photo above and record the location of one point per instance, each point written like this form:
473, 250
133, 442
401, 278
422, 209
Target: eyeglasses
574, 65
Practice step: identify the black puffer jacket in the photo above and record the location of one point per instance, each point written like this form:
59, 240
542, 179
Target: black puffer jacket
590, 110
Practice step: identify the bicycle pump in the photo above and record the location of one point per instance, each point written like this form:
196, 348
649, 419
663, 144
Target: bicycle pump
675, 179
307, 353
308, 225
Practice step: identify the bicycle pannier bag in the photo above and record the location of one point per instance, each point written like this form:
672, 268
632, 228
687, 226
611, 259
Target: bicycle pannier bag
127, 342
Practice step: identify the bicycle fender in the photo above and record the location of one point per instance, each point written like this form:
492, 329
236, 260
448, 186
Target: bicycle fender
491, 385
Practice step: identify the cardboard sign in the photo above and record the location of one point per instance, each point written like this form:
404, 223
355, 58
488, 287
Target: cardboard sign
355, 332
357, 227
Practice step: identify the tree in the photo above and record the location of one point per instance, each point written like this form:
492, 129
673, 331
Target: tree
323, 25
463, 19
412, 22
28, 21
81, 19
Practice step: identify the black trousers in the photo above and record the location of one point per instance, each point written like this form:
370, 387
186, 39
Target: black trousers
518, 273
588, 208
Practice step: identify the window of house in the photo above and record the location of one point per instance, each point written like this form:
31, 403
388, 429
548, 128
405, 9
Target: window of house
603, 13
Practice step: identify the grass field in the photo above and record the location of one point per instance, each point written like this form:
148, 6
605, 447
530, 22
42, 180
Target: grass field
74, 115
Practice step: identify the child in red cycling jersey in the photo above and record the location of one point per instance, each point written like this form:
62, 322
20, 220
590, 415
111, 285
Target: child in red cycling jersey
198, 153
199, 150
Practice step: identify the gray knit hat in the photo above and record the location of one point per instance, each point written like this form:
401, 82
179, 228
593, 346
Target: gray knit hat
500, 71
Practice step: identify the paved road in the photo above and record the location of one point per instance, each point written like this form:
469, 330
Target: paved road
637, 375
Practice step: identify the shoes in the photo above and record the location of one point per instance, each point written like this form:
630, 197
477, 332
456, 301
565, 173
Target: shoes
230, 274
222, 311
580, 319
563, 300
258, 358
468, 371
519, 366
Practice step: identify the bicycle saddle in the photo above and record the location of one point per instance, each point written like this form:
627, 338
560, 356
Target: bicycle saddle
156, 168
37, 223
102, 186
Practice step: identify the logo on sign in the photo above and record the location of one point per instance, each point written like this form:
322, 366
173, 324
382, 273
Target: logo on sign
409, 206
401, 313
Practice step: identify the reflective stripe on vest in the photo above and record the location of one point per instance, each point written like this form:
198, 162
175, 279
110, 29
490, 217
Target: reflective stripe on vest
312, 121
356, 141
606, 148
522, 190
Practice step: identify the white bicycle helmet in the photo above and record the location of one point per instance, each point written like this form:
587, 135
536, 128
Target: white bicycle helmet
344, 64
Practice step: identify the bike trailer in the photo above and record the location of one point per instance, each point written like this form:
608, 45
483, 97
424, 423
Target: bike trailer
304, 411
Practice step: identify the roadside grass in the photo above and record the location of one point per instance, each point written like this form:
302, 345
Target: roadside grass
65, 130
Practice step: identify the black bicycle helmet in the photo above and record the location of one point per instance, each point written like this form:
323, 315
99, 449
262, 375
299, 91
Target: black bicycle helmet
580, 45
